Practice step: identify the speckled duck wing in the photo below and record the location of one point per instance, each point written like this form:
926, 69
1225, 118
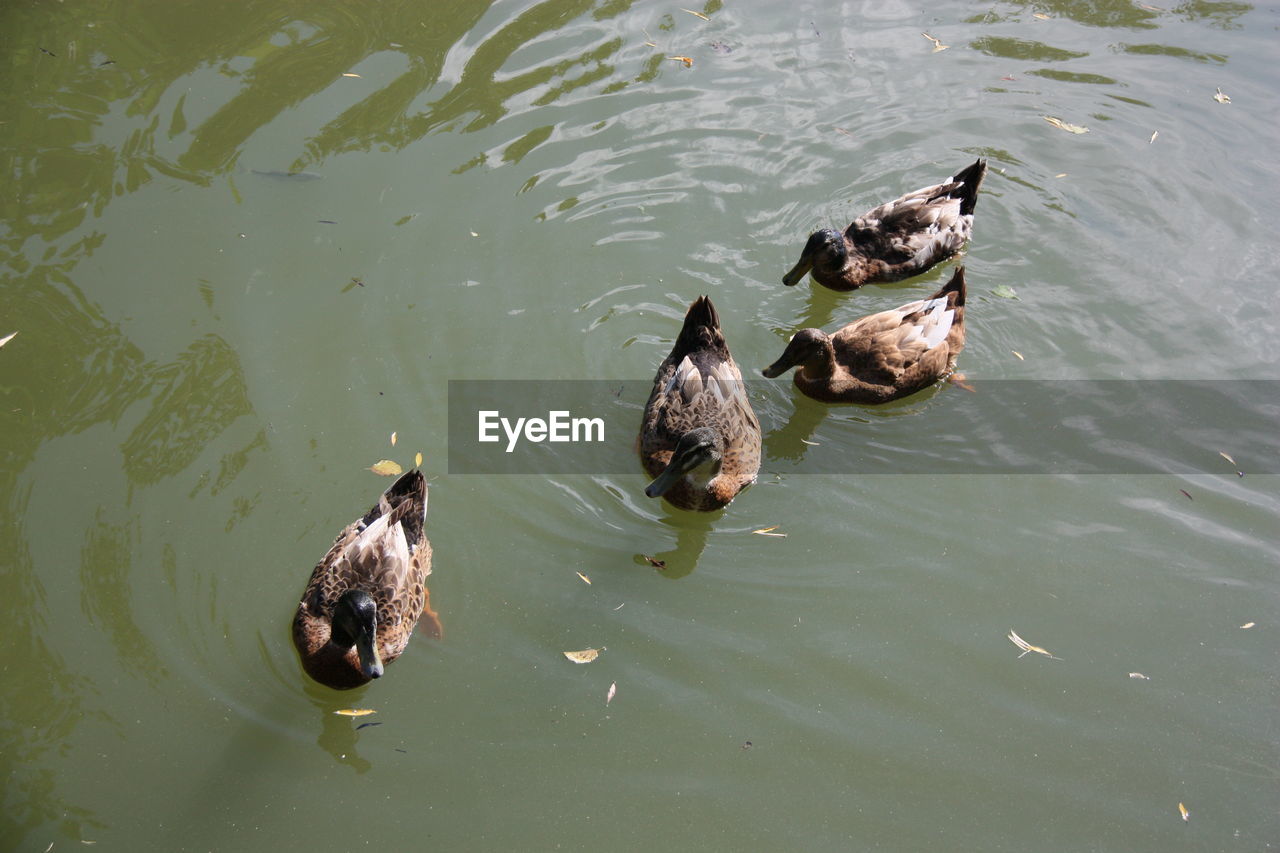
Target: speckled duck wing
921, 336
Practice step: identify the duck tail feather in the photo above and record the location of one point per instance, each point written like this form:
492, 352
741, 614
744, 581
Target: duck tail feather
969, 178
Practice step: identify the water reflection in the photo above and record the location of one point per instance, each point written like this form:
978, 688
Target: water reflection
692, 530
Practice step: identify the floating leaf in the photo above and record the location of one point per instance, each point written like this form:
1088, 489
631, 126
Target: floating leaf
584, 656
937, 43
1227, 457
1151, 8
1042, 16
474, 234
1138, 675
810, 443
8, 338
1061, 175
356, 712
1018, 354
393, 439
620, 606
349, 74
1248, 625
386, 468
688, 62
1188, 494
1062, 125
417, 459
1004, 291
1182, 810
695, 14
768, 531
613, 691
1221, 98
1027, 647
585, 579
655, 562
1154, 134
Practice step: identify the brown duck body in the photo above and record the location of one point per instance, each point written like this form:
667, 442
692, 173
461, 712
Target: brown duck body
698, 392
896, 240
883, 356
385, 554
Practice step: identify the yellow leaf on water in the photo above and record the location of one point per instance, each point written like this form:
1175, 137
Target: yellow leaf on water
585, 579
768, 531
1027, 647
393, 439
1139, 676
1018, 354
349, 74
937, 43
695, 14
1248, 625
1061, 175
8, 338
1182, 810
613, 691
1228, 458
417, 459
584, 656
1062, 125
356, 712
688, 62
1154, 134
1221, 98
1042, 16
386, 468
811, 443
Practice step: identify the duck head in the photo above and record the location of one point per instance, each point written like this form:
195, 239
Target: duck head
806, 346
355, 623
696, 448
825, 249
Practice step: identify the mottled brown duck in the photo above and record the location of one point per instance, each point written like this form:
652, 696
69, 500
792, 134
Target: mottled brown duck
369, 591
699, 440
896, 240
883, 356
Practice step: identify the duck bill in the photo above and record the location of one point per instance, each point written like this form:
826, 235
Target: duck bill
798, 271
370, 660
785, 362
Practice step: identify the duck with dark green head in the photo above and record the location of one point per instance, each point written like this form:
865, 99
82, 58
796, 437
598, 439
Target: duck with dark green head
699, 439
898, 239
368, 593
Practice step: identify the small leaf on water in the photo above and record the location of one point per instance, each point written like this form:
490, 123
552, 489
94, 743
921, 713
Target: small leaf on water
393, 439
8, 338
1221, 98
1004, 291
695, 14
1182, 810
1061, 175
1062, 125
1248, 625
768, 531
356, 712
937, 43
474, 234
688, 62
584, 656
417, 459
1027, 647
613, 691
1228, 458
655, 562
585, 579
349, 74
1188, 494
1042, 16
386, 468
810, 443
1139, 676
1018, 354
1154, 134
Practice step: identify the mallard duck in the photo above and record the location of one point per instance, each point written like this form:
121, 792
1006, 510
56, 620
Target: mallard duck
367, 594
896, 240
699, 439
880, 357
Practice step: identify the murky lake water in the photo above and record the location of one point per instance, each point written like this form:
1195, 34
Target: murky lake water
241, 248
